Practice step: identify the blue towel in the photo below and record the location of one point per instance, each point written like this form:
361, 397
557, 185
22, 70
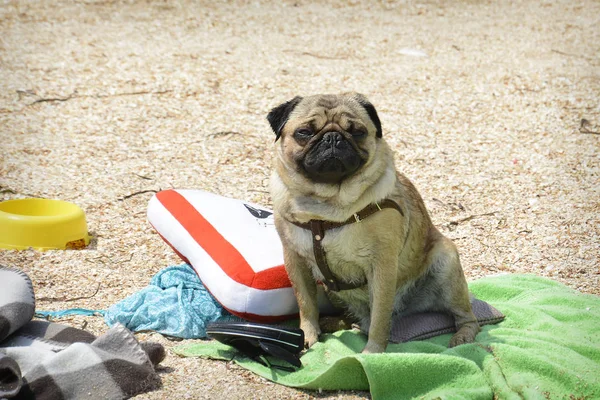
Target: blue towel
176, 303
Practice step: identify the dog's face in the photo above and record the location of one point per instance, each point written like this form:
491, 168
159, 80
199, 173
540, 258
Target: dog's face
327, 138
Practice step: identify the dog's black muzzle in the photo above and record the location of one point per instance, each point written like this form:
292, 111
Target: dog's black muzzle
332, 159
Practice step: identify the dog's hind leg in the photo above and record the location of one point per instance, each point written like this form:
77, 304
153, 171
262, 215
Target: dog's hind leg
455, 297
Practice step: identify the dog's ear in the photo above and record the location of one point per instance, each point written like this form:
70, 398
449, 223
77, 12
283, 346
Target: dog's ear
362, 100
278, 116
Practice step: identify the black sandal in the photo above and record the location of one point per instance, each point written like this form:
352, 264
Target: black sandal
258, 340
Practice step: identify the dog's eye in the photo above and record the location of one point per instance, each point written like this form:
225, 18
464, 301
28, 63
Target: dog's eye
358, 133
303, 132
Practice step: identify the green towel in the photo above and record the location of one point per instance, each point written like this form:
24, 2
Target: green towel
548, 347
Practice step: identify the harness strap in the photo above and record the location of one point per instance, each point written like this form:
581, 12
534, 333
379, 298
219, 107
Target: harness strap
318, 228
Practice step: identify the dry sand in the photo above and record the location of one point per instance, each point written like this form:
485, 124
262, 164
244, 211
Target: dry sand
492, 109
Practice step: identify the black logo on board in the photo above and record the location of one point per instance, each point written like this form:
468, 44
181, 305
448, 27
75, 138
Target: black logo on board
257, 212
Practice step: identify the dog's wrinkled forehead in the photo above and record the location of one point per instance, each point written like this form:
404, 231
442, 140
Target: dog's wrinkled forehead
320, 110
324, 102
328, 108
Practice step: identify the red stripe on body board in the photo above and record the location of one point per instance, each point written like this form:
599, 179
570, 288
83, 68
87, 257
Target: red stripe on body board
245, 315
218, 248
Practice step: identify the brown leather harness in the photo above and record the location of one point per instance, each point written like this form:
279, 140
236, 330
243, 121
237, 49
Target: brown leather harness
318, 228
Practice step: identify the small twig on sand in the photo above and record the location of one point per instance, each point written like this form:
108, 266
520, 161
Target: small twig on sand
130, 93
470, 217
136, 193
259, 191
320, 56
51, 99
306, 53
75, 95
6, 190
585, 127
223, 133
572, 55
63, 298
143, 177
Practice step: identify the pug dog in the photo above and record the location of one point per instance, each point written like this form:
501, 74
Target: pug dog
331, 164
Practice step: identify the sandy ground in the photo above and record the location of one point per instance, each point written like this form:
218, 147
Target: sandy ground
491, 107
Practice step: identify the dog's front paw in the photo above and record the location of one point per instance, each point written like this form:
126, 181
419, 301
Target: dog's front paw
466, 334
373, 347
311, 334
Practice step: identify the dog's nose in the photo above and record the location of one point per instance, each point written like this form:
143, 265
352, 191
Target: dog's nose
333, 138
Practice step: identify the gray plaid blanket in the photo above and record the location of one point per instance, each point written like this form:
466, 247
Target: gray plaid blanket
44, 360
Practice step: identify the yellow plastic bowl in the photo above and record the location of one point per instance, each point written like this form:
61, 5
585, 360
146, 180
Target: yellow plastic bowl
42, 224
